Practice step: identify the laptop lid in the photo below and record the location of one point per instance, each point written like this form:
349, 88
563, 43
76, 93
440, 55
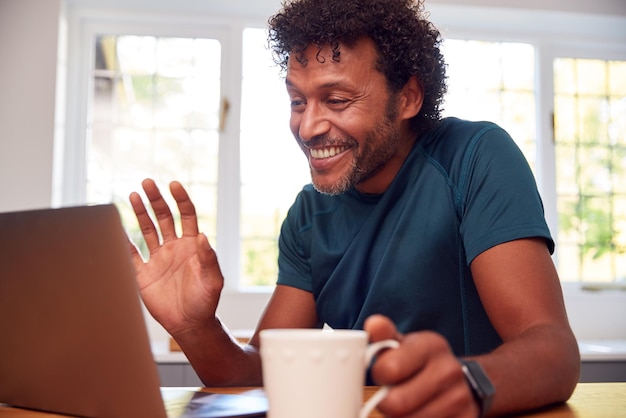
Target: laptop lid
73, 338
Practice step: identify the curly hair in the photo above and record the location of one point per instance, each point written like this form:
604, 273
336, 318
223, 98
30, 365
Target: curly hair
407, 43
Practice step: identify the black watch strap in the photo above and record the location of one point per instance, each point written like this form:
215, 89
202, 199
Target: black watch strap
479, 383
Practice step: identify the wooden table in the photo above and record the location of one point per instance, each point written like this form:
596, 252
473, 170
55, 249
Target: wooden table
601, 400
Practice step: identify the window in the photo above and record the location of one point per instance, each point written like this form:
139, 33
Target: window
590, 134
496, 81
273, 168
158, 108
155, 108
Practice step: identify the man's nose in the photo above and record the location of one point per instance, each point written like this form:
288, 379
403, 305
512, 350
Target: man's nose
313, 123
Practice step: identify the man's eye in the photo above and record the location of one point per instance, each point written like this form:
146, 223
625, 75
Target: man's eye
295, 104
337, 103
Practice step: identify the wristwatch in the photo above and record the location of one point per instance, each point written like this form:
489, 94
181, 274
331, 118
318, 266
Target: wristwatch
479, 383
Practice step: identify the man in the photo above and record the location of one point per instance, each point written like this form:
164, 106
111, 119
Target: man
425, 230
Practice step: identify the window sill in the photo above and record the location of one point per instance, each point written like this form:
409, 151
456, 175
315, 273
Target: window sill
602, 350
590, 351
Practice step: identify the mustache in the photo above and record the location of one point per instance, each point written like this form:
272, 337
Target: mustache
326, 141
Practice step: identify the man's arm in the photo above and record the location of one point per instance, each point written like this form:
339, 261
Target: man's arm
220, 361
537, 364
181, 284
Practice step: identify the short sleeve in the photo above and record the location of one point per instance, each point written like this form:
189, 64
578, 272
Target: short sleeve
293, 264
500, 199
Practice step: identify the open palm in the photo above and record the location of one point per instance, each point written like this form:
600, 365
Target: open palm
181, 281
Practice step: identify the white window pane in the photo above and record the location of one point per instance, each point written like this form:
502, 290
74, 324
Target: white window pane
590, 137
494, 81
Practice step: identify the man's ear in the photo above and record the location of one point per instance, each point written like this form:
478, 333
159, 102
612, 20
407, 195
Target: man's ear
411, 98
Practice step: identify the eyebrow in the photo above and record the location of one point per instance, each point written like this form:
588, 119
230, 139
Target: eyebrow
327, 85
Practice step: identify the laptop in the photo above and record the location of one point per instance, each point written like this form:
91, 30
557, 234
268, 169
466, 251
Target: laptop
73, 339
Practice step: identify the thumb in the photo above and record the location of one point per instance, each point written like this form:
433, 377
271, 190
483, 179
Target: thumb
206, 254
380, 327
138, 263
134, 252
207, 258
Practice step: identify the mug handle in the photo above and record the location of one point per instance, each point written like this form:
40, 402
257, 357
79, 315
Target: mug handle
380, 394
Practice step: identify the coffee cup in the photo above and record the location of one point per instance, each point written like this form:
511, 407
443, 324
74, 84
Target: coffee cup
311, 373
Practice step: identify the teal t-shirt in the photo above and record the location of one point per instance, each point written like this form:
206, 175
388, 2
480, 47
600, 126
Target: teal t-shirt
465, 187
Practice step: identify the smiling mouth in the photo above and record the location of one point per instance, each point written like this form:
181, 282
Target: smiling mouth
327, 152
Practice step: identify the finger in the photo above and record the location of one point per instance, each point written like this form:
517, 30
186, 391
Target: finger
146, 225
161, 210
426, 398
188, 218
437, 389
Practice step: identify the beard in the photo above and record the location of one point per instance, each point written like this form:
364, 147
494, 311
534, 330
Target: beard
370, 156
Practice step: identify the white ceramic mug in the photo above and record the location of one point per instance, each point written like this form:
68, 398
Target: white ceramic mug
310, 373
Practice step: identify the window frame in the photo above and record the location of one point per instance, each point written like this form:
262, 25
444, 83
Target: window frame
553, 34
89, 23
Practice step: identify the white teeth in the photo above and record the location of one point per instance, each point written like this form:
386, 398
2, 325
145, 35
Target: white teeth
326, 152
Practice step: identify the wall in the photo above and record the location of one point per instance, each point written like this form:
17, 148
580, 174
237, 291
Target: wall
267, 7
607, 7
28, 50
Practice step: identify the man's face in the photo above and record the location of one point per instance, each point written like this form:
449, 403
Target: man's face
344, 119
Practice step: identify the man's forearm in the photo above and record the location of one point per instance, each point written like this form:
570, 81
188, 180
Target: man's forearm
538, 368
218, 359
